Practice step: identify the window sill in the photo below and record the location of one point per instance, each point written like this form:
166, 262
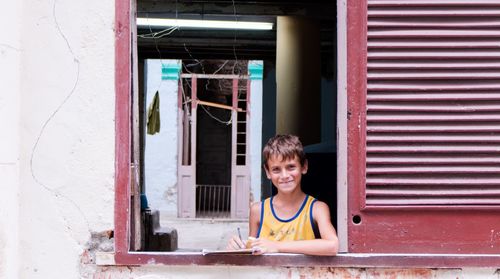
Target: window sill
298, 260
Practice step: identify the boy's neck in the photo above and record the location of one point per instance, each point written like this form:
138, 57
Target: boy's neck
290, 198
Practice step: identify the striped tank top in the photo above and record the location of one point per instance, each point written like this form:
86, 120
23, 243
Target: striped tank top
299, 227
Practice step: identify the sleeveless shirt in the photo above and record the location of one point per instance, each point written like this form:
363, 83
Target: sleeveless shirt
299, 227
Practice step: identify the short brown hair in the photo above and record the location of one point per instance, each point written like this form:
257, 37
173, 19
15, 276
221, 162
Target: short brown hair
288, 146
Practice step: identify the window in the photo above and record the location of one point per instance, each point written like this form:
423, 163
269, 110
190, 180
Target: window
384, 107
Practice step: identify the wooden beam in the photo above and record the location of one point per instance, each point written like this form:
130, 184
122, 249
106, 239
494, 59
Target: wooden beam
217, 105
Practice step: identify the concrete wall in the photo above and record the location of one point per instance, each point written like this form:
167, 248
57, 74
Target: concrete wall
57, 153
161, 148
256, 92
65, 137
158, 272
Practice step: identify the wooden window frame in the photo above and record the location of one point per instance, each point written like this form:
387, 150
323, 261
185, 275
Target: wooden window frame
123, 145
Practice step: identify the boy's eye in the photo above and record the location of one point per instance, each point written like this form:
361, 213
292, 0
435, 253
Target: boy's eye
275, 170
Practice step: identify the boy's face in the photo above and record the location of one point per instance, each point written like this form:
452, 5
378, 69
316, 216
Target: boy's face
286, 175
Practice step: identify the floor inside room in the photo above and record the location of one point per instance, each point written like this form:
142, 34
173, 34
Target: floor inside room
198, 234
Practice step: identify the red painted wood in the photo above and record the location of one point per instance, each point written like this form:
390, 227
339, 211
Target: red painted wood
426, 33
459, 85
456, 138
432, 180
235, 93
397, 22
425, 231
122, 127
342, 260
436, 96
427, 3
437, 12
356, 112
432, 64
433, 159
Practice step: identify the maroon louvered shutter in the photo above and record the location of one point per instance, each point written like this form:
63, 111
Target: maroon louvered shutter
424, 126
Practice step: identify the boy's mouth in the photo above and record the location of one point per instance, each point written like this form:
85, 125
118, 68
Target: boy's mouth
286, 182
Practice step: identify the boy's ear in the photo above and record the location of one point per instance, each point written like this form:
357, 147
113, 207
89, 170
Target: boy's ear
305, 167
267, 172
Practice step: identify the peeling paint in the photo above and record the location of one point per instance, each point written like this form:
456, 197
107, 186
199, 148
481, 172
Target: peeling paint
170, 195
99, 242
399, 273
330, 272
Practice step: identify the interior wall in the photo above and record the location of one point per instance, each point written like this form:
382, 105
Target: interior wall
269, 117
160, 151
298, 78
328, 110
256, 131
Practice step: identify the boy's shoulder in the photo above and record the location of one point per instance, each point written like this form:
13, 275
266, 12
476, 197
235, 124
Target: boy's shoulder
320, 209
255, 206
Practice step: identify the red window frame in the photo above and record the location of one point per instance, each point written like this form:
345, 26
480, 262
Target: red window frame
123, 85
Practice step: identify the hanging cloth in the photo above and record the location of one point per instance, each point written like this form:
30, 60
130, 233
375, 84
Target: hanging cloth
154, 115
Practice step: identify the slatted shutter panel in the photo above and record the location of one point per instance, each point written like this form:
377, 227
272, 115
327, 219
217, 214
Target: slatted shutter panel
429, 137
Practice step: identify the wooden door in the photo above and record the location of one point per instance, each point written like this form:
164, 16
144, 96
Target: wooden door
186, 177
240, 173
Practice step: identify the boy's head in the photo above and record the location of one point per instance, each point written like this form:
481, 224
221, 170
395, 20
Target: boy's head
286, 146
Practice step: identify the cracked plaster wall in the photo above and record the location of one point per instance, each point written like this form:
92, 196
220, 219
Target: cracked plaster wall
10, 57
66, 120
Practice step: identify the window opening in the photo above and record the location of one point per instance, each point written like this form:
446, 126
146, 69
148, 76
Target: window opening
212, 195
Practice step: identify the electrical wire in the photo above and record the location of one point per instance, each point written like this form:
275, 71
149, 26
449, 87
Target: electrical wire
159, 34
234, 40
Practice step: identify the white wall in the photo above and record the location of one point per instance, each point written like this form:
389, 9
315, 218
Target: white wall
66, 187
10, 59
256, 89
161, 148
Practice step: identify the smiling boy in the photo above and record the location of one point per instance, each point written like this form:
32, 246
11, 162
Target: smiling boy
291, 221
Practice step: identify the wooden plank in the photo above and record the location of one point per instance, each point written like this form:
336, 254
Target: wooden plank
437, 159
122, 127
429, 170
433, 3
215, 105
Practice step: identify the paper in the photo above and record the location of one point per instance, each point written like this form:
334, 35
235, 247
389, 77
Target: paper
248, 251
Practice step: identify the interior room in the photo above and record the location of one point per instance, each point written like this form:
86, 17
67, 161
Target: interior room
297, 91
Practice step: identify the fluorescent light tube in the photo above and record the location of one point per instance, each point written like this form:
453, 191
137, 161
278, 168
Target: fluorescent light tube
212, 24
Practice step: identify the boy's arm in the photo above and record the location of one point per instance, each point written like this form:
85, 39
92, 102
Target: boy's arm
254, 220
326, 246
235, 242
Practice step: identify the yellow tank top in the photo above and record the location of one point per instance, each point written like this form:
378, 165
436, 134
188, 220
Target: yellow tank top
299, 227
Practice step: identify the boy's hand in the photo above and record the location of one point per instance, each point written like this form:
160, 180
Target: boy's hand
263, 246
235, 243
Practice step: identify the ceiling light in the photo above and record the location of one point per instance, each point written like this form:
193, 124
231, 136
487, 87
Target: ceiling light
213, 24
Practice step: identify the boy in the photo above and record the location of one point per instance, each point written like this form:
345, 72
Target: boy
291, 221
